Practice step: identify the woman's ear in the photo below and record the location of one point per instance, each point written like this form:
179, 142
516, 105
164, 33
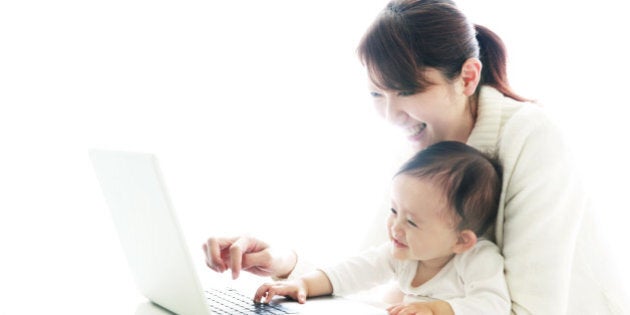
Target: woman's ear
465, 240
471, 75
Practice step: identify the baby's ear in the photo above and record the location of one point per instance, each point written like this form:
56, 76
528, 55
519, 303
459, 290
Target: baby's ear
466, 239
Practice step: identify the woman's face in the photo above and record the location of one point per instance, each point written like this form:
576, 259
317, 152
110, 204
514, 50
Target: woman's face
440, 112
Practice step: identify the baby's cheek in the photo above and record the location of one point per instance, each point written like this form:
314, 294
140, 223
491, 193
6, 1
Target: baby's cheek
389, 224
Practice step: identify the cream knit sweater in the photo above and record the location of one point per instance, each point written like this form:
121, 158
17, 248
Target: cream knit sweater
551, 253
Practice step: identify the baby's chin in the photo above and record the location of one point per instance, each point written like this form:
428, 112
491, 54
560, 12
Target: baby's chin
399, 254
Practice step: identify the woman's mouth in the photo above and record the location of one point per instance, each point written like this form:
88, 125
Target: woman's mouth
415, 133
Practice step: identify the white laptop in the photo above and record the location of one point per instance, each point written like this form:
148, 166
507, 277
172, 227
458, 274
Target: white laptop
158, 254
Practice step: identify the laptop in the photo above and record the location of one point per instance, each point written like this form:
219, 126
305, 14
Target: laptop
158, 254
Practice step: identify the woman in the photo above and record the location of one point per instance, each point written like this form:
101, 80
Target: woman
439, 77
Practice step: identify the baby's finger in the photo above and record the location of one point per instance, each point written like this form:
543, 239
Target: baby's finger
271, 292
261, 292
301, 296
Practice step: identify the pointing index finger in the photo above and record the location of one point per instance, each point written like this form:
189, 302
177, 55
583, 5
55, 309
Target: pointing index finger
236, 255
213, 252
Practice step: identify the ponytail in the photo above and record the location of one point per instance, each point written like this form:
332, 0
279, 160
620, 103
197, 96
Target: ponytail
493, 56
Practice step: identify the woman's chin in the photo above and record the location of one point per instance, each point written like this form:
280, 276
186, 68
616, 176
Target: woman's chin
419, 145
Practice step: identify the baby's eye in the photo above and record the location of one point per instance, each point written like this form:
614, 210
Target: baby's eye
394, 212
412, 223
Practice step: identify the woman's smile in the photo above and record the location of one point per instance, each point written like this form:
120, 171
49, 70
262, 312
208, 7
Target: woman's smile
414, 133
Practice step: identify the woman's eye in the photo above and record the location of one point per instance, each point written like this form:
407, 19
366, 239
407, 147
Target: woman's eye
375, 94
406, 93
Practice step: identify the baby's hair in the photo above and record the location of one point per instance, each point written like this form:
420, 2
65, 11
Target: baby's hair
470, 179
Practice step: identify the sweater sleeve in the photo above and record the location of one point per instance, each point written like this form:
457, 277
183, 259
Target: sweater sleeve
481, 271
543, 208
362, 272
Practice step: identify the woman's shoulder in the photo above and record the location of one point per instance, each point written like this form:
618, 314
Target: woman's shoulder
520, 121
500, 117
492, 102
532, 114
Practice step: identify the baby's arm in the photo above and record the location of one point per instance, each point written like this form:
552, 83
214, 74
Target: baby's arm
312, 284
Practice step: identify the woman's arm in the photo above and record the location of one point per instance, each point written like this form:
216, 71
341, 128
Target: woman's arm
543, 208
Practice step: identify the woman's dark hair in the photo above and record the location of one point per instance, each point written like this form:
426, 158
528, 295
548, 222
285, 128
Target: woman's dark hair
410, 35
470, 179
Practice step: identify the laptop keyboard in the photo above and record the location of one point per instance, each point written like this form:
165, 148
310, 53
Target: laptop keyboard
231, 302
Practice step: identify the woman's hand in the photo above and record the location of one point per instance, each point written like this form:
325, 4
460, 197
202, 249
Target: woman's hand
296, 290
421, 308
249, 254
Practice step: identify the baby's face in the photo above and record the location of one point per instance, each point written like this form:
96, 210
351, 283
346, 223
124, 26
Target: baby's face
421, 224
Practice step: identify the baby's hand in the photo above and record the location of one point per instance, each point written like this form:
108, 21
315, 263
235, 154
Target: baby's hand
418, 308
296, 290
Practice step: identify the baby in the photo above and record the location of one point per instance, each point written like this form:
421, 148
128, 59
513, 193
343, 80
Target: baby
443, 200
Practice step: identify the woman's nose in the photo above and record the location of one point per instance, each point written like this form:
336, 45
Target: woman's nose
394, 114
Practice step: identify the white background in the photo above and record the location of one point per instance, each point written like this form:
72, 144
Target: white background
259, 114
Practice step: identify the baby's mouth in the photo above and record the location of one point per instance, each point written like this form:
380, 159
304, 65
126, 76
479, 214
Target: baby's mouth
397, 243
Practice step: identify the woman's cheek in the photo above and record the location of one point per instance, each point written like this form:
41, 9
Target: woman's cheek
380, 108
